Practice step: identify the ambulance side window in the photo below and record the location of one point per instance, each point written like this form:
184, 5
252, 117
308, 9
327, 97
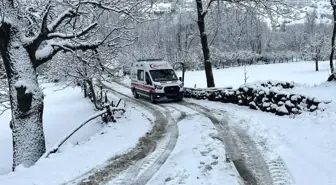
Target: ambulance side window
148, 80
141, 75
134, 75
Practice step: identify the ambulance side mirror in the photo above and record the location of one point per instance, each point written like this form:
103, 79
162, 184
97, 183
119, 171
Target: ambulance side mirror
180, 79
148, 81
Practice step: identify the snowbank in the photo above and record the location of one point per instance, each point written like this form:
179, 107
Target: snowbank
91, 146
63, 109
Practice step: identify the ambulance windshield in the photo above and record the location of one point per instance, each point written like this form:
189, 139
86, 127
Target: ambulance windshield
161, 75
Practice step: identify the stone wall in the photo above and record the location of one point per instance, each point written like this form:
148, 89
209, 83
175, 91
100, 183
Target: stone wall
266, 96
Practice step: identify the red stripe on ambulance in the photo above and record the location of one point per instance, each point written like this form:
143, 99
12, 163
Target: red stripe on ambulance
144, 87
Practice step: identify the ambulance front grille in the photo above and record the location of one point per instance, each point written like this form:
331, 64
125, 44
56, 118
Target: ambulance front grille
171, 89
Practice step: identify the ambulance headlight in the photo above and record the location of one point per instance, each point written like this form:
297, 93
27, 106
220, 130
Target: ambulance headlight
181, 85
159, 87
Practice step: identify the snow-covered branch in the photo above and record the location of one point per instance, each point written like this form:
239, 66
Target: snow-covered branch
44, 27
85, 31
114, 6
77, 22
68, 13
53, 48
207, 7
271, 6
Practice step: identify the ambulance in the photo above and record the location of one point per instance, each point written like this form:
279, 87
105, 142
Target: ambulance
156, 80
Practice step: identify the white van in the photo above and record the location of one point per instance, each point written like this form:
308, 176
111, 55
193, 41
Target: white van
155, 79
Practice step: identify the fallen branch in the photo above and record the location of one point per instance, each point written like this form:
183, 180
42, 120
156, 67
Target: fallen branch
62, 141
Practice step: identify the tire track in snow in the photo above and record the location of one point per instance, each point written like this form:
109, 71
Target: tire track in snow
249, 162
160, 146
154, 162
243, 150
116, 165
279, 172
275, 164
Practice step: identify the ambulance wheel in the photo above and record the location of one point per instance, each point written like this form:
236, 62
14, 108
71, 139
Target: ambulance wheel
135, 94
152, 98
179, 99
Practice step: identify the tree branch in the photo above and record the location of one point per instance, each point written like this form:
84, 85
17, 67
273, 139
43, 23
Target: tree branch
106, 6
69, 13
74, 35
207, 8
44, 27
264, 3
43, 55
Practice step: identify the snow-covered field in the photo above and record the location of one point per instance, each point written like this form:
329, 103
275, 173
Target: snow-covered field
300, 72
91, 146
306, 143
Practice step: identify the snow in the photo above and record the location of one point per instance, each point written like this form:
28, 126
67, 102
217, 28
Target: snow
44, 52
299, 72
198, 157
282, 109
70, 35
302, 146
67, 136
306, 142
91, 146
47, 50
65, 109
322, 8
57, 121
53, 24
28, 148
289, 104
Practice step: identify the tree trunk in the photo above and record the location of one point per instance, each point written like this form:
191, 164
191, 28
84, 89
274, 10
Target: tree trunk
333, 40
85, 89
205, 45
26, 99
94, 97
316, 65
183, 71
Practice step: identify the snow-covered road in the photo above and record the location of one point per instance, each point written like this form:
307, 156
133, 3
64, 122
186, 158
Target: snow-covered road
301, 149
199, 157
186, 143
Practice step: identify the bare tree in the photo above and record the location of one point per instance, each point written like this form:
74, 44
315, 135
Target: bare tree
269, 7
332, 69
316, 48
31, 34
204, 41
311, 22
